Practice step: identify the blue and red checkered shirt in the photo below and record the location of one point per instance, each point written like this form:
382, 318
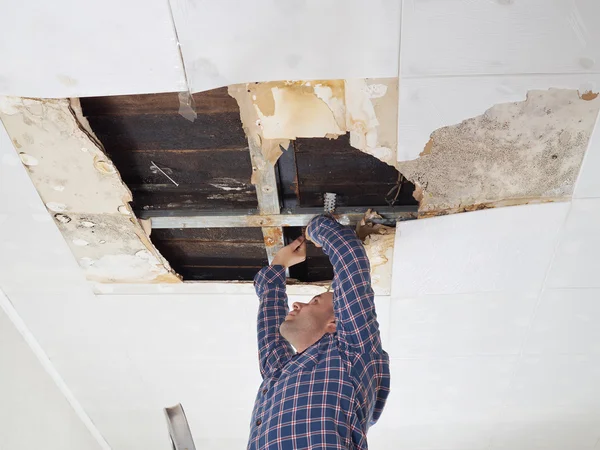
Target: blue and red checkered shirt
329, 395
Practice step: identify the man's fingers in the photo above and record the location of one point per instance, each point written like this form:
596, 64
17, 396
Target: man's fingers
298, 243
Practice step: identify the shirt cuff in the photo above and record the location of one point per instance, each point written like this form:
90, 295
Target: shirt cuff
314, 228
269, 277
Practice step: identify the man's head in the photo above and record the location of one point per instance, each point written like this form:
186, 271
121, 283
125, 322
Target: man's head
309, 322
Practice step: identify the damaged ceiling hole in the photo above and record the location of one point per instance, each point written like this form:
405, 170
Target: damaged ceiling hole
210, 161
224, 194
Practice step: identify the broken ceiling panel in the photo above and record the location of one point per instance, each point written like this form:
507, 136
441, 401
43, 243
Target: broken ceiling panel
65, 49
274, 40
427, 104
279, 111
515, 153
210, 162
83, 191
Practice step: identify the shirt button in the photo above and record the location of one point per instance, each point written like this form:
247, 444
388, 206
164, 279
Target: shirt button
258, 422
265, 391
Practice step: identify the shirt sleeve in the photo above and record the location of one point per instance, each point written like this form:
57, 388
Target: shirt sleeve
353, 297
274, 351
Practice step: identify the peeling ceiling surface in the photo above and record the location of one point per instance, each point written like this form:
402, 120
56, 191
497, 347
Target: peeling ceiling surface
492, 309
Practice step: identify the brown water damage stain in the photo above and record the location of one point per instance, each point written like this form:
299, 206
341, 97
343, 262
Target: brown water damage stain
589, 95
513, 154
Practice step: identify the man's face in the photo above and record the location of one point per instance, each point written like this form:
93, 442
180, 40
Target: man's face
307, 321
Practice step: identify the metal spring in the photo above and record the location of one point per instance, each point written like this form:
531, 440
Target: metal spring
329, 201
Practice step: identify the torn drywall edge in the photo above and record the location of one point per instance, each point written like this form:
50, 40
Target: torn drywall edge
81, 188
427, 104
380, 251
322, 108
366, 102
515, 153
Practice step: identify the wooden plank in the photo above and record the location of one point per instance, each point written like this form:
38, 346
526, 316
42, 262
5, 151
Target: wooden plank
168, 132
193, 199
237, 235
212, 253
223, 169
356, 178
195, 273
208, 102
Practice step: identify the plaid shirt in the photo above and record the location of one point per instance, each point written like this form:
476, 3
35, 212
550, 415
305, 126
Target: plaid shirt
329, 395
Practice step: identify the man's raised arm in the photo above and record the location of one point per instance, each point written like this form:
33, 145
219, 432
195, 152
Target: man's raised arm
353, 297
274, 351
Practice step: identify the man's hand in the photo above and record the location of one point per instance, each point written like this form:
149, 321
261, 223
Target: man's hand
291, 254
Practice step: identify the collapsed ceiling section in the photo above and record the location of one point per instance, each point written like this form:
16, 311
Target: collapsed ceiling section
83, 191
211, 170
135, 187
513, 154
148, 162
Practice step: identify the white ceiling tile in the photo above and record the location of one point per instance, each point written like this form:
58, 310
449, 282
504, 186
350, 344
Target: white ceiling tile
490, 323
455, 37
383, 310
555, 387
35, 257
576, 263
267, 40
473, 435
566, 321
17, 192
209, 391
34, 412
67, 48
185, 326
134, 428
448, 390
427, 104
503, 250
548, 435
588, 183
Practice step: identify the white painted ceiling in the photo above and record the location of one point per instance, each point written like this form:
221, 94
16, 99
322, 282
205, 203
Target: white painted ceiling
493, 322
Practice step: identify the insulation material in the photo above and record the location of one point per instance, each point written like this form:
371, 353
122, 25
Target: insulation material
66, 49
82, 190
275, 40
515, 153
286, 110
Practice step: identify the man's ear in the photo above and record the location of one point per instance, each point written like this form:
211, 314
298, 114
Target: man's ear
331, 327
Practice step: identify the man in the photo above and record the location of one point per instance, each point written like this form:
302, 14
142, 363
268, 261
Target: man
329, 392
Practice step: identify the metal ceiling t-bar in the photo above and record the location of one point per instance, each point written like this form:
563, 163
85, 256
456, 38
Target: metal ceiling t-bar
267, 193
296, 217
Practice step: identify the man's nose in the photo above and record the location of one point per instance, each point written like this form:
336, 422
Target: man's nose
297, 306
